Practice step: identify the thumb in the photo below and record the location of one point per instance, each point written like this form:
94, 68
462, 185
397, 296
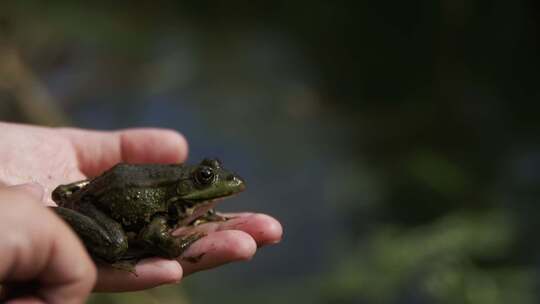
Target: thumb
34, 190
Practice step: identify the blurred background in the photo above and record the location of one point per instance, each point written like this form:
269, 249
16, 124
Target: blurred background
396, 141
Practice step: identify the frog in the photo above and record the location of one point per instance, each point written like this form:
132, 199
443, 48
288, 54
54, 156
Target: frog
131, 210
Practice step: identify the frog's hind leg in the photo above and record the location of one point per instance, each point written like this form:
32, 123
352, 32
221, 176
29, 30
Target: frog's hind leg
103, 237
62, 193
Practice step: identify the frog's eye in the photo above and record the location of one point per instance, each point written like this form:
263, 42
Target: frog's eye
204, 176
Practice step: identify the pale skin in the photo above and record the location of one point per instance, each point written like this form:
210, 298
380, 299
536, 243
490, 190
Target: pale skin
48, 157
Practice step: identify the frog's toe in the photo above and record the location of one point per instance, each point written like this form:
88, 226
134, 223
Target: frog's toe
188, 240
126, 265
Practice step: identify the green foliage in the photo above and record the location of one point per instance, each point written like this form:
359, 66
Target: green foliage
447, 261
438, 173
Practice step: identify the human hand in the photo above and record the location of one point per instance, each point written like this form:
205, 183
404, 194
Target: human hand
41, 260
51, 157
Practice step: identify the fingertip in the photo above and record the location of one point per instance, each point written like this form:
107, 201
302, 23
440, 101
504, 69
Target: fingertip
269, 229
145, 145
178, 144
263, 228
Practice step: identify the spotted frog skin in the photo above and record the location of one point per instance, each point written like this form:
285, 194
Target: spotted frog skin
130, 211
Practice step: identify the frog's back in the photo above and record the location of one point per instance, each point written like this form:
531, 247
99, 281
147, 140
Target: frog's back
124, 176
131, 194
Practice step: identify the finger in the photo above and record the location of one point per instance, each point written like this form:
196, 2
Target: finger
98, 151
69, 273
46, 251
149, 273
264, 229
218, 248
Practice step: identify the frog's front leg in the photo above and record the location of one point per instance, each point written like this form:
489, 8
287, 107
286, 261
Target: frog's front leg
103, 237
209, 217
157, 235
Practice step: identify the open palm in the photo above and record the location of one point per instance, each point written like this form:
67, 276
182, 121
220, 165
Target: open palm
52, 156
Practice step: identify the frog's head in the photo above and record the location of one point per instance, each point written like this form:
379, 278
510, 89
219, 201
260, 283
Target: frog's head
209, 181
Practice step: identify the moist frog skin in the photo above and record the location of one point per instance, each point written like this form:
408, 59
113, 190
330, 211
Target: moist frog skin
130, 211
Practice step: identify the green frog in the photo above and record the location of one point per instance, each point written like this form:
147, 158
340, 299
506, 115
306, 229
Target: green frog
130, 211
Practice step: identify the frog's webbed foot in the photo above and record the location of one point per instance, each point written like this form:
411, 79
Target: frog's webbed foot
62, 193
209, 217
160, 240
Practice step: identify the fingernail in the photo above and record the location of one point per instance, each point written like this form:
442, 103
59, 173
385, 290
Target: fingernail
34, 189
